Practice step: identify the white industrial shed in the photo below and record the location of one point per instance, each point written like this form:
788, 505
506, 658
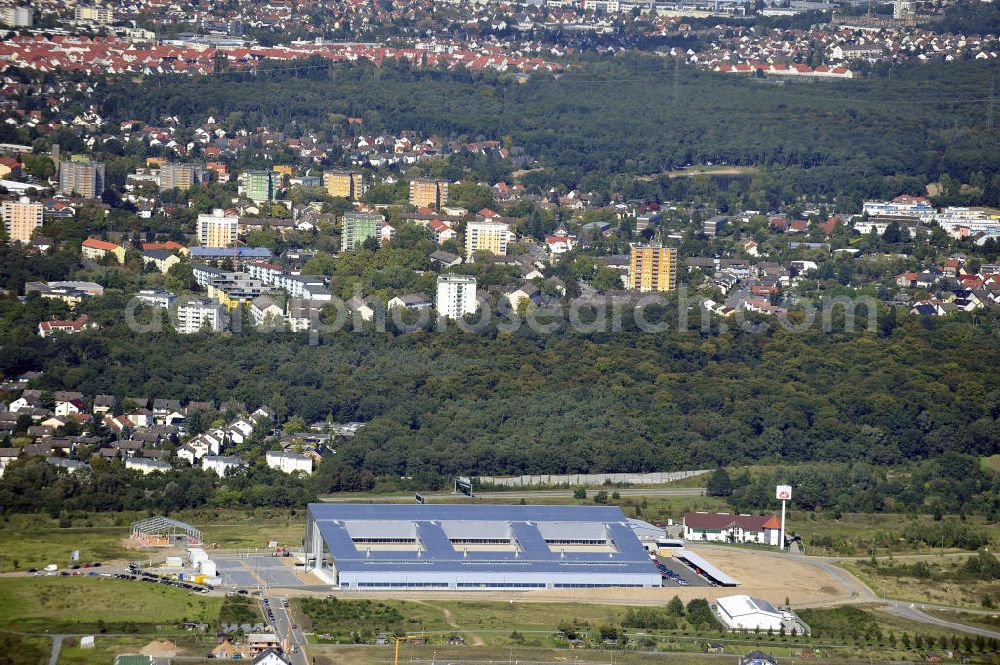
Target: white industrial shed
745, 613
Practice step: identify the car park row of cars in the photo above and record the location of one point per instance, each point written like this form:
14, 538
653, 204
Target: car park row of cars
75, 569
668, 574
135, 574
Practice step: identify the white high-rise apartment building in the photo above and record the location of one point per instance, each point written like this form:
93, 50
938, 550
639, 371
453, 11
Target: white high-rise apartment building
486, 236
217, 229
456, 296
194, 315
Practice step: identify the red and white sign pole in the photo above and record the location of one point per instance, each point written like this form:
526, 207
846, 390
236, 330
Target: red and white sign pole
783, 493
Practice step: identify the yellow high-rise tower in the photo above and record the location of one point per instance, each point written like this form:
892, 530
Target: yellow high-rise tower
653, 268
348, 185
428, 193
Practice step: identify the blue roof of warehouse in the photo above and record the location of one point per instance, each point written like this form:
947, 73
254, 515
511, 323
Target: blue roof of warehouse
441, 556
259, 252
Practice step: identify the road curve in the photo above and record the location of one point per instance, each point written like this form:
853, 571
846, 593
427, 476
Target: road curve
913, 612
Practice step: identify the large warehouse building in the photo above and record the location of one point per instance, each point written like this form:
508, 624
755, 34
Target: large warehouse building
437, 546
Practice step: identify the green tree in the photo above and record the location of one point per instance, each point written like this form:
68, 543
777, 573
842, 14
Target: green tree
719, 484
294, 425
675, 607
39, 166
699, 614
321, 264
471, 196
606, 279
180, 277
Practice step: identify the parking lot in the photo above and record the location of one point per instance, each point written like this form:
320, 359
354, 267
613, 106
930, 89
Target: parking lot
254, 571
678, 571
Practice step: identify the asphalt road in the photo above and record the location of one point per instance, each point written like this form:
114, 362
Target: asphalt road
862, 593
291, 638
525, 494
913, 611
57, 641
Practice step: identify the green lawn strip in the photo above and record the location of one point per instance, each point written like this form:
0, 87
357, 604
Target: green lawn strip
84, 604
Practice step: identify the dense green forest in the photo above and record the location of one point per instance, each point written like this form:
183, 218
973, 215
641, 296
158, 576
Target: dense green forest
442, 403
31, 485
634, 114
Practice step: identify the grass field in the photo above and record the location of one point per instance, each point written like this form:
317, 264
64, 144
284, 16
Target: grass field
24, 650
852, 636
854, 534
490, 621
34, 541
78, 604
240, 609
489, 626
525, 656
107, 647
938, 588
441, 653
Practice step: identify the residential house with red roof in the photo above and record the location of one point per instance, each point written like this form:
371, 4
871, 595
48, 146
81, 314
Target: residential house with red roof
96, 250
71, 326
728, 528
168, 246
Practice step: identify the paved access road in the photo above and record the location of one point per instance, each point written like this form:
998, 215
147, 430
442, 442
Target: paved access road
291, 638
862, 593
523, 494
57, 641
913, 611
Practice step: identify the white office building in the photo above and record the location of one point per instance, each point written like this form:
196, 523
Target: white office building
902, 206
456, 296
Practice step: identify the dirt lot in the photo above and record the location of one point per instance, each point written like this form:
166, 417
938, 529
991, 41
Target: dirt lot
760, 575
